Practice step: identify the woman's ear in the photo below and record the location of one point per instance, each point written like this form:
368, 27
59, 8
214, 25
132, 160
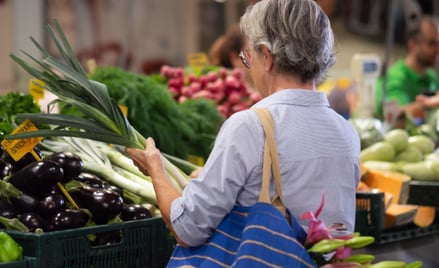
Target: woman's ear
268, 58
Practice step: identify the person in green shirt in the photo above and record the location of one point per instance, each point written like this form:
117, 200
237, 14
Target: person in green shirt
413, 75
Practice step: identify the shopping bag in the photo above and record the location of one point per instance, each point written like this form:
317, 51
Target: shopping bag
257, 236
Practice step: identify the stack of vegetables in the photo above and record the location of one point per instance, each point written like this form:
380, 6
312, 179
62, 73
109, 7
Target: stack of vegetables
95, 116
179, 130
227, 88
78, 142
34, 199
398, 151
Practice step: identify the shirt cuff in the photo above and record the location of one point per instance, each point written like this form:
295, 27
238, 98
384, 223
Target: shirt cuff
184, 226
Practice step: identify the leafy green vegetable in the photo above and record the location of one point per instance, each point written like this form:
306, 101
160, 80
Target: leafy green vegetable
205, 120
179, 129
11, 104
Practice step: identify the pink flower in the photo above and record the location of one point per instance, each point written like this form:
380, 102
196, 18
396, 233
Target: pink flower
317, 229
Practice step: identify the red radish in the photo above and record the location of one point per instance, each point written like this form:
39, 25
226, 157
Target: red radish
179, 73
203, 80
202, 94
238, 73
223, 109
182, 99
195, 86
223, 72
227, 88
211, 76
231, 82
192, 78
234, 98
239, 107
218, 96
186, 91
174, 91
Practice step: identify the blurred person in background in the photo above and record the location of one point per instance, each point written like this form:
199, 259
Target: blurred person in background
413, 75
225, 51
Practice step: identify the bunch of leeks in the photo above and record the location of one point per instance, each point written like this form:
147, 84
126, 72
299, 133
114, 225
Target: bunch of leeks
99, 118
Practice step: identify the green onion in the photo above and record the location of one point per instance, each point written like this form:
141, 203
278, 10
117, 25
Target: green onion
100, 118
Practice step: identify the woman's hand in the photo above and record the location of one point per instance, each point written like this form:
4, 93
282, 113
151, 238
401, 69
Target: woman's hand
195, 173
149, 161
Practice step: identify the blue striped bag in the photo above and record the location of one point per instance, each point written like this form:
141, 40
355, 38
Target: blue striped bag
263, 235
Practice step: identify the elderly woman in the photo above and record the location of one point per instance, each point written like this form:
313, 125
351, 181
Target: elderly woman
288, 50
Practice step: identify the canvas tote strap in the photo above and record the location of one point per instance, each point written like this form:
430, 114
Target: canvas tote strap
271, 162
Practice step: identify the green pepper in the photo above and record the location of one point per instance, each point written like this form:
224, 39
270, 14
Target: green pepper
10, 250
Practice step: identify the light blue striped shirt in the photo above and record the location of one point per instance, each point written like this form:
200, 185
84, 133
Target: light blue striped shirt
318, 151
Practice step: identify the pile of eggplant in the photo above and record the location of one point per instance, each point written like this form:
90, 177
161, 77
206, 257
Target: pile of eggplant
30, 191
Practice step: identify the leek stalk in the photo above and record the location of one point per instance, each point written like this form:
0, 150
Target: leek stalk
100, 117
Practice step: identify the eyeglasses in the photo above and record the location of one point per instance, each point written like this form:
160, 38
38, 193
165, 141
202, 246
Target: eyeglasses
244, 60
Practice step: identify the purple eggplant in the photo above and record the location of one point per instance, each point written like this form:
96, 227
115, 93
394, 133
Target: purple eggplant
25, 203
102, 203
7, 210
68, 219
6, 169
71, 164
91, 180
114, 189
132, 212
37, 178
24, 161
33, 221
21, 201
51, 204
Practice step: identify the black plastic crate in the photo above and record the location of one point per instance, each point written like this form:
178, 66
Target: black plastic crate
144, 243
26, 262
370, 214
370, 219
424, 193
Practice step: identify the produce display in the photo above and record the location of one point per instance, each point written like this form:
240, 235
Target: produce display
178, 129
32, 195
227, 88
397, 150
78, 176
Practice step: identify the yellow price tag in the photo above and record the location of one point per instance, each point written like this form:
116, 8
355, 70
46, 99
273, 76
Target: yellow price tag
36, 89
198, 60
18, 148
124, 109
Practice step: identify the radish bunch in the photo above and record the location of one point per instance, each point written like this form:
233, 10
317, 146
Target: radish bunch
227, 88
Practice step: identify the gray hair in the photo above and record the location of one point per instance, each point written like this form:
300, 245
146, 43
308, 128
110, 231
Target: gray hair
297, 32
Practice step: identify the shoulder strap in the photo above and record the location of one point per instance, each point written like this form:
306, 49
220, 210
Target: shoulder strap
271, 163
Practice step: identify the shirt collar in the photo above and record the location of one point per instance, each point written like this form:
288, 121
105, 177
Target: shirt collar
299, 97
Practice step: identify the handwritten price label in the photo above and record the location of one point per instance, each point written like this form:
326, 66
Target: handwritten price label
198, 60
18, 148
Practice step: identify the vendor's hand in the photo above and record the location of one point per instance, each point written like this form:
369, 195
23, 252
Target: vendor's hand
421, 98
149, 161
428, 101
